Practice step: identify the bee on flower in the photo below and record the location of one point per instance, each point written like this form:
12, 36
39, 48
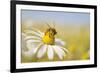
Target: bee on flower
41, 43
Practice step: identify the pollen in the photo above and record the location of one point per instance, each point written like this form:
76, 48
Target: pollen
48, 39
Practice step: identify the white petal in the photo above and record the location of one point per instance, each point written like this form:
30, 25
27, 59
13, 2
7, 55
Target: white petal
34, 29
66, 50
32, 43
59, 51
41, 51
50, 52
59, 42
23, 35
28, 53
32, 51
36, 49
32, 37
33, 32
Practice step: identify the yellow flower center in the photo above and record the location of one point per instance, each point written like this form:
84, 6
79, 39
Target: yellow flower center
48, 38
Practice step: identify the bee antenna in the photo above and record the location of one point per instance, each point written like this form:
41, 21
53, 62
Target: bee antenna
48, 25
54, 24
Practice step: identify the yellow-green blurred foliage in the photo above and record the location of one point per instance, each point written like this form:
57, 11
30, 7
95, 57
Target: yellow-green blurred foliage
77, 39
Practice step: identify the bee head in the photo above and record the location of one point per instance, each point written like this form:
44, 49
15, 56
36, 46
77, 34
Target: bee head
51, 31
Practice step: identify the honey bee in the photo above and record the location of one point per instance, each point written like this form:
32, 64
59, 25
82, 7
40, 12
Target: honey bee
49, 35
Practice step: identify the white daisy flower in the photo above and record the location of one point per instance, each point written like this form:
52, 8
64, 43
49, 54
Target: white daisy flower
39, 44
